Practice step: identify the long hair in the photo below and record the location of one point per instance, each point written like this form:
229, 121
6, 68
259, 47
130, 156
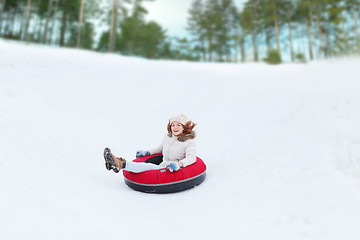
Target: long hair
188, 127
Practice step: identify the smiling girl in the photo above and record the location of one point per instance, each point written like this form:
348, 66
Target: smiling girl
177, 147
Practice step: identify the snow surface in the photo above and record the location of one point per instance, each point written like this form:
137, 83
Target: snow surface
280, 144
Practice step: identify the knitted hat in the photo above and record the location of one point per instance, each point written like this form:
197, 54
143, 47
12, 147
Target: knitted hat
180, 118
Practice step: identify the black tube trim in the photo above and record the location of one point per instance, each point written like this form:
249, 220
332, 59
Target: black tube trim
167, 187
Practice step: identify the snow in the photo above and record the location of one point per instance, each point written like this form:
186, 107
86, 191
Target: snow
281, 144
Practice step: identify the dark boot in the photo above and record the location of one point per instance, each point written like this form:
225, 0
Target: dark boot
112, 162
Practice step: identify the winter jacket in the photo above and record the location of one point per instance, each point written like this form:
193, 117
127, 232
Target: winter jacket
181, 149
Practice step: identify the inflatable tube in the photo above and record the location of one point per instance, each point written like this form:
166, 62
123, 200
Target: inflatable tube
161, 181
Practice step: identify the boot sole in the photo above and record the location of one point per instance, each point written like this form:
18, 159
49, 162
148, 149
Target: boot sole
109, 161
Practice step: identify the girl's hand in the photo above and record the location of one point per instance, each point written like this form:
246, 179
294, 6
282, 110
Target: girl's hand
142, 153
173, 167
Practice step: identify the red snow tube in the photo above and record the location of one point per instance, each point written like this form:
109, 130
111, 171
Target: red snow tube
161, 181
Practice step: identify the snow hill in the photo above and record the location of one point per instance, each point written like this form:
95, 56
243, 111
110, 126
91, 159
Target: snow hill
279, 142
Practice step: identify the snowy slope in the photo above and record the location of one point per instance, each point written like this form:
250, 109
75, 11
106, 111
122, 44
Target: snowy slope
277, 141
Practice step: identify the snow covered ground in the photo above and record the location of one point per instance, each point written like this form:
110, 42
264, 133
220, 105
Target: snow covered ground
281, 144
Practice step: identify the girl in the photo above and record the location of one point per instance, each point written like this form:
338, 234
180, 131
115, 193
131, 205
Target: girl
177, 147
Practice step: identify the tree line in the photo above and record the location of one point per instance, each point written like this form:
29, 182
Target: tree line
291, 28
218, 29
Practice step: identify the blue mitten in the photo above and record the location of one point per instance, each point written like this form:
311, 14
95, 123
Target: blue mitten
173, 166
142, 153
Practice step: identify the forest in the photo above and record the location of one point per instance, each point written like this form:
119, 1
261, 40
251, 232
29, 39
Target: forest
218, 30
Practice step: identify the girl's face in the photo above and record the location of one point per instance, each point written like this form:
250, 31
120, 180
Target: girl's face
177, 128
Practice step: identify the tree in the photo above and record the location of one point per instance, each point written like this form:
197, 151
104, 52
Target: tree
132, 30
48, 16
210, 26
81, 23
276, 25
26, 18
197, 28
273, 57
289, 6
153, 35
309, 27
334, 11
138, 37
249, 21
70, 11
226, 29
318, 9
301, 16
219, 32
12, 10
113, 26
214, 24
351, 7
53, 21
2, 7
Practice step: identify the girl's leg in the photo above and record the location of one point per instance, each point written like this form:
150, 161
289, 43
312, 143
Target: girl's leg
138, 167
117, 164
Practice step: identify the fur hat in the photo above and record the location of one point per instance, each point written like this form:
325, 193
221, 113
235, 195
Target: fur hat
180, 118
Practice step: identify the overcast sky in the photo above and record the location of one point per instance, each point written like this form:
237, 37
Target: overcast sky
172, 14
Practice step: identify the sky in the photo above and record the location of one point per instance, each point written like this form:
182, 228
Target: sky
172, 14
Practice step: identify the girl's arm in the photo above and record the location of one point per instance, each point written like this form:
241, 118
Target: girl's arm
190, 155
158, 149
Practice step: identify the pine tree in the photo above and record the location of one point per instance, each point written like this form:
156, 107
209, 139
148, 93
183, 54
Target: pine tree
227, 27
153, 36
249, 22
211, 24
2, 7
81, 23
302, 17
335, 18
26, 19
69, 18
352, 7
113, 26
289, 5
276, 24
53, 20
197, 28
48, 16
318, 8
